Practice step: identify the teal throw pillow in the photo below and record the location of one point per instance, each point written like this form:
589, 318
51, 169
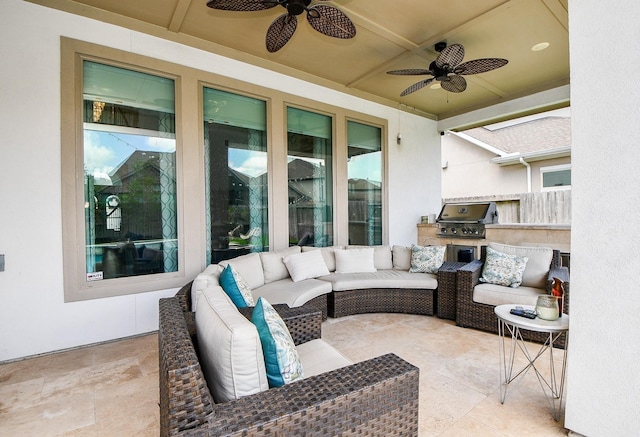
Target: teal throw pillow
280, 355
503, 269
236, 287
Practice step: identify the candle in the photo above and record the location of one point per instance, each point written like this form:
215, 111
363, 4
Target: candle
547, 313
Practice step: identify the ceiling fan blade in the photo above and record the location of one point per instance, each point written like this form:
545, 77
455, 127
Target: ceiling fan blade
480, 65
416, 86
450, 56
411, 72
281, 31
454, 84
241, 5
331, 21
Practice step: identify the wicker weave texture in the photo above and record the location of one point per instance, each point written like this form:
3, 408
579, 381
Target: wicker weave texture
381, 300
471, 314
447, 291
374, 397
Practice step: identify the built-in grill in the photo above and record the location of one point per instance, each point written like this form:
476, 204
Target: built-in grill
466, 220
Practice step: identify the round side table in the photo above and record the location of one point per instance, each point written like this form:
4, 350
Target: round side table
509, 325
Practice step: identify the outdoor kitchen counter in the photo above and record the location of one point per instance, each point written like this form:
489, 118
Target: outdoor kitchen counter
555, 236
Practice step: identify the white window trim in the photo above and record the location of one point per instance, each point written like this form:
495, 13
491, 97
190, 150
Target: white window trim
551, 169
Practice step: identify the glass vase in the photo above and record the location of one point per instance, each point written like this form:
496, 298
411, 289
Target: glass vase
547, 307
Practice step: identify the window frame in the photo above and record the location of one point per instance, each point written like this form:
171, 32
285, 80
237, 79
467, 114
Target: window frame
190, 179
76, 285
552, 169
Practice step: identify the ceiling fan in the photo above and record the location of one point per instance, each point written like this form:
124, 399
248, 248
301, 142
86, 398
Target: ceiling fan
448, 70
326, 19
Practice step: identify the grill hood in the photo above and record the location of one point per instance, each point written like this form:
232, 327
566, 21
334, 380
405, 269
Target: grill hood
481, 212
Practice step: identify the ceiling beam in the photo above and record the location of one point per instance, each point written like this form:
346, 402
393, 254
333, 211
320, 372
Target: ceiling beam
178, 15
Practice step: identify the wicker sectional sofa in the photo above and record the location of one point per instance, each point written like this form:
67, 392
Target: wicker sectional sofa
373, 397
390, 288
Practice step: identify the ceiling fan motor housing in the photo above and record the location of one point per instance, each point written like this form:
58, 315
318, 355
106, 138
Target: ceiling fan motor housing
296, 7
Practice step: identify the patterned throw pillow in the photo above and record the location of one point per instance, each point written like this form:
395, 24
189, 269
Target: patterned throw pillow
280, 355
426, 259
503, 269
236, 287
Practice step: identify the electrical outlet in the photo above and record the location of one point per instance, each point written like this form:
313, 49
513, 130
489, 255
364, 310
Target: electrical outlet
2, 263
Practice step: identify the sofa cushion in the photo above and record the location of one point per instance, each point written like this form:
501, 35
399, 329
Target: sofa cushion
426, 259
236, 287
355, 260
318, 357
503, 269
381, 279
210, 276
539, 260
381, 255
327, 253
280, 354
401, 257
229, 348
294, 294
307, 265
250, 267
273, 266
491, 294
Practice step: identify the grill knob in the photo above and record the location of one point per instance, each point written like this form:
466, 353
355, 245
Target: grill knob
453, 230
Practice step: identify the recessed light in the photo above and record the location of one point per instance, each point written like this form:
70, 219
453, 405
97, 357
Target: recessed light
540, 46
436, 86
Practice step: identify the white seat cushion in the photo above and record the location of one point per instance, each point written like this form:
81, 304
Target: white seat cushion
317, 357
539, 259
491, 294
230, 350
381, 279
294, 294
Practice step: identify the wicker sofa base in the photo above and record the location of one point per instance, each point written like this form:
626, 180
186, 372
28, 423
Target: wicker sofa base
381, 300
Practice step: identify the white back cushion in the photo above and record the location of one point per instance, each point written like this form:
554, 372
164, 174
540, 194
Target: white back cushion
381, 256
210, 276
273, 266
401, 257
537, 269
327, 253
230, 350
250, 268
355, 261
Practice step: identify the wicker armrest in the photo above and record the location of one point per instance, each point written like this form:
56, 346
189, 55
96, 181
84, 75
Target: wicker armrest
468, 276
184, 297
374, 397
304, 325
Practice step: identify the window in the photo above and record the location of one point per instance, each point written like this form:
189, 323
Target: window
236, 175
364, 170
557, 177
129, 172
310, 176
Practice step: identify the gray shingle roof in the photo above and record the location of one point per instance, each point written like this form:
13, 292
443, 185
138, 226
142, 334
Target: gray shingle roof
537, 135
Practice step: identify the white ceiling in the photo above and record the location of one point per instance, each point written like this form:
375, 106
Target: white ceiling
391, 34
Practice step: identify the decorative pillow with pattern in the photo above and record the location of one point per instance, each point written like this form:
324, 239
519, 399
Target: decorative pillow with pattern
280, 354
426, 259
236, 287
503, 269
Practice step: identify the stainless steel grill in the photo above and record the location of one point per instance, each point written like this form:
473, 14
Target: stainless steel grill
466, 220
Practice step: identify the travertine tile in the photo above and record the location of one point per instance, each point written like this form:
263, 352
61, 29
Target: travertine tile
112, 389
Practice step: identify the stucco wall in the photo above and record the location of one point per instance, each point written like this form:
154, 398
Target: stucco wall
603, 376
33, 316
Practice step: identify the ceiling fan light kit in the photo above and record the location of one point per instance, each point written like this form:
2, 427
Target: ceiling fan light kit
325, 19
448, 70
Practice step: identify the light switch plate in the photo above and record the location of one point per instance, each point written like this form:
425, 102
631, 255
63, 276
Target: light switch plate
2, 263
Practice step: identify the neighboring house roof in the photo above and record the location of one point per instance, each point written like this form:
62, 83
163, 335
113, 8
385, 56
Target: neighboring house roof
541, 138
